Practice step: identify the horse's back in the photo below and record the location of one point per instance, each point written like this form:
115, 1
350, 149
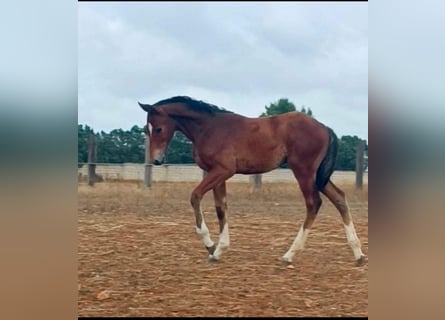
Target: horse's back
293, 134
287, 126
257, 145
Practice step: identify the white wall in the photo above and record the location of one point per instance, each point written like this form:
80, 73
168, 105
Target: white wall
132, 171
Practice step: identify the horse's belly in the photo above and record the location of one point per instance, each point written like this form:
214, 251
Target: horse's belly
247, 167
259, 164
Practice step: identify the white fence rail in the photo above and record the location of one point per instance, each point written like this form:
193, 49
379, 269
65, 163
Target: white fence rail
192, 173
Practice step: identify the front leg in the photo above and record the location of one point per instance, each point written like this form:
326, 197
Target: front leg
201, 227
213, 178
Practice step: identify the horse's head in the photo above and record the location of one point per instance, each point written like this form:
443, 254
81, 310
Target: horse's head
160, 128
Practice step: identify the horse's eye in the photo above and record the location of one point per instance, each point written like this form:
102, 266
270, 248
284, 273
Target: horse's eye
158, 130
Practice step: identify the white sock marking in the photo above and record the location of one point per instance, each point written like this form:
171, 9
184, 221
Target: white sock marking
298, 244
223, 243
224, 239
353, 240
204, 234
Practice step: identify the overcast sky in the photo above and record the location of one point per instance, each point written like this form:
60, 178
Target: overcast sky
239, 56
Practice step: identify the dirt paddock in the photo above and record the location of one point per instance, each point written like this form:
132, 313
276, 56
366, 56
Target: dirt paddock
139, 254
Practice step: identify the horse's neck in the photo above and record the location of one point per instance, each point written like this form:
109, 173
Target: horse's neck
188, 122
187, 128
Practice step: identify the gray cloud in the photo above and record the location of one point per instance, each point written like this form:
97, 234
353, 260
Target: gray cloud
240, 56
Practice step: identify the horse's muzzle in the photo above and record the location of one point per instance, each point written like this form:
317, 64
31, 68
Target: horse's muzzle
158, 162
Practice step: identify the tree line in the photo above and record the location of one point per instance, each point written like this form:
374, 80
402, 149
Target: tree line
123, 146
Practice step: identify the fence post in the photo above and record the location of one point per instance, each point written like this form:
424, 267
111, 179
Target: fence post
147, 165
255, 181
359, 164
91, 158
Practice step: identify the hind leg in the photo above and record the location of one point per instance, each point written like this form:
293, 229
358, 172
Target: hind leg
313, 203
338, 198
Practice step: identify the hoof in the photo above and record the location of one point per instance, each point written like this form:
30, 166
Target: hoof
213, 258
361, 261
286, 260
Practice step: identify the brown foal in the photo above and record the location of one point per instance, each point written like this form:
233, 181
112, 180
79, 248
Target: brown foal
226, 143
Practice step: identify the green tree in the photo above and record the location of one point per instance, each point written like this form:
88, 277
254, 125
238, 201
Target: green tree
346, 156
308, 111
180, 149
133, 144
281, 106
82, 142
108, 147
119, 146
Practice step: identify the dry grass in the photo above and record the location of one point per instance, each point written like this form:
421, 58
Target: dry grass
139, 254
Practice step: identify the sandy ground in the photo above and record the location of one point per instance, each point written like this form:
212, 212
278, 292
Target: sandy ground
139, 254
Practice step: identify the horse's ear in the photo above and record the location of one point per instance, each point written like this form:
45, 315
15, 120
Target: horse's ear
148, 108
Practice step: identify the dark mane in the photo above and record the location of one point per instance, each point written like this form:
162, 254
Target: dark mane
192, 104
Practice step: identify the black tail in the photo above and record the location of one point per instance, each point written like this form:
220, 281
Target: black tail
326, 167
